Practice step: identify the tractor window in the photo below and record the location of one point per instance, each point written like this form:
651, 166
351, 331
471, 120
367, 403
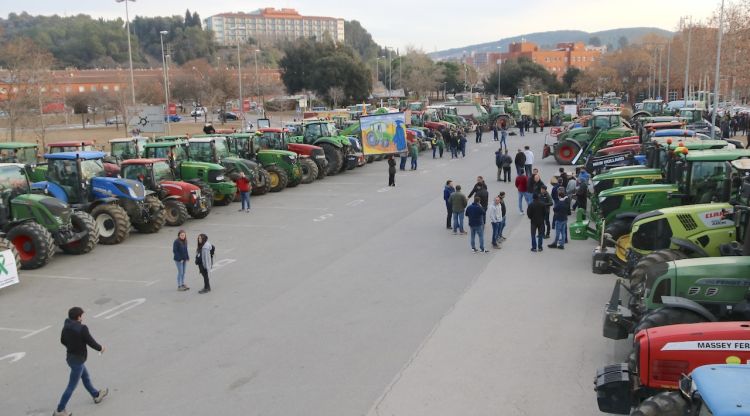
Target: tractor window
707, 181
91, 169
136, 172
22, 155
13, 181
158, 152
270, 140
312, 132
201, 151
221, 148
601, 123
64, 173
124, 150
162, 172
653, 235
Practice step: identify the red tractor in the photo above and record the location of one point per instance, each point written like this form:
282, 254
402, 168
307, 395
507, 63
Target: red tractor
180, 199
663, 354
112, 169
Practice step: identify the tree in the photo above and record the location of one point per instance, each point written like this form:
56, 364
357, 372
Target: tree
421, 74
622, 42
450, 72
570, 76
595, 41
360, 40
518, 73
335, 94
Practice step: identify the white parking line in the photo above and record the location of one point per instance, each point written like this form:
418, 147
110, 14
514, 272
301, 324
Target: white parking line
381, 190
323, 217
123, 307
355, 202
295, 208
223, 262
13, 357
216, 224
30, 332
95, 279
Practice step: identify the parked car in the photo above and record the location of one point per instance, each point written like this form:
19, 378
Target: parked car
230, 116
173, 118
114, 120
198, 112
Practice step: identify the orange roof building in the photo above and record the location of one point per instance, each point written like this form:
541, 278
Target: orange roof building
272, 24
557, 61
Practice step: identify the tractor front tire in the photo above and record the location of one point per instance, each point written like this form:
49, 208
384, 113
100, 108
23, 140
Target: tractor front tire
279, 178
335, 158
566, 151
666, 316
668, 403
618, 228
221, 200
175, 212
322, 170
309, 170
6, 244
293, 182
645, 266
112, 222
82, 221
34, 244
261, 185
157, 216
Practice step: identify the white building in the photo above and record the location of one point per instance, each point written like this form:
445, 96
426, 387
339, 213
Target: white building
272, 24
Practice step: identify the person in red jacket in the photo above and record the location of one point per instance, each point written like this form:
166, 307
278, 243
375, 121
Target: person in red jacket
522, 182
244, 187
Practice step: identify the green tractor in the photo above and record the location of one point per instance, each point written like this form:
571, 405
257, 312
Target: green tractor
576, 145
208, 176
283, 167
127, 148
216, 149
19, 152
651, 108
35, 223
323, 133
691, 178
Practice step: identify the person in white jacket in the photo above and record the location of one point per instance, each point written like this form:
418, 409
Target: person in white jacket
495, 215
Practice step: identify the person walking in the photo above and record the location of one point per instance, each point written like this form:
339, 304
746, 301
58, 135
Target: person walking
440, 143
535, 211
433, 142
503, 211
494, 213
404, 154
494, 132
527, 123
535, 183
506, 164
561, 212
448, 190
541, 124
181, 257
522, 126
458, 204
522, 183
529, 163
77, 339
414, 153
546, 199
244, 187
454, 144
520, 161
478, 137
476, 215
582, 194
534, 124
462, 144
391, 171
503, 134
204, 260
499, 163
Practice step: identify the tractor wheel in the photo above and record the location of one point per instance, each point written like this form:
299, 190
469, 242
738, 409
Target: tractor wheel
666, 316
6, 244
157, 216
208, 192
566, 152
261, 185
34, 244
309, 170
113, 223
175, 212
221, 200
335, 158
322, 170
294, 182
645, 266
82, 221
618, 228
668, 403
279, 178
199, 215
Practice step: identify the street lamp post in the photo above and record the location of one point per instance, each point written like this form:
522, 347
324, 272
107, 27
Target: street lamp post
239, 82
257, 84
130, 50
166, 82
716, 75
499, 63
687, 62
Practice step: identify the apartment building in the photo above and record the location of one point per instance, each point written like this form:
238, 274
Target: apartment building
557, 61
271, 25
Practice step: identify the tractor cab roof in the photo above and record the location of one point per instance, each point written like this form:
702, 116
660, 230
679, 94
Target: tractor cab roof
86, 155
18, 165
661, 125
164, 143
143, 161
71, 143
725, 388
741, 164
16, 145
674, 133
605, 113
127, 139
204, 139
710, 155
273, 130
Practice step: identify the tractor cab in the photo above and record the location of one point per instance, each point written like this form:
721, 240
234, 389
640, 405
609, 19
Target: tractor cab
691, 115
127, 148
216, 149
150, 172
76, 173
653, 106
17, 152
71, 146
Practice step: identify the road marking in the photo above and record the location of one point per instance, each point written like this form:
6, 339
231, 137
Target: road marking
216, 224
223, 262
13, 357
440, 165
112, 312
323, 217
424, 171
95, 279
355, 202
342, 183
296, 208
475, 150
381, 190
30, 332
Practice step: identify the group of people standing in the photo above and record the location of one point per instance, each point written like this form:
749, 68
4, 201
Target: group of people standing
204, 256
454, 139
478, 212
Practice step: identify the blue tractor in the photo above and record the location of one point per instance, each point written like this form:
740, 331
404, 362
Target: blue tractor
717, 390
79, 179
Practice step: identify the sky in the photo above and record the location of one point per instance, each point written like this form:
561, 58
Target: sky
426, 25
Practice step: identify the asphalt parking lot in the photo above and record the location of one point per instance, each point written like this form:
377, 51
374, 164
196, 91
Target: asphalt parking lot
342, 297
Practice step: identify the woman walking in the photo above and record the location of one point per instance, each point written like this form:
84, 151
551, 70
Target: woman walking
181, 257
391, 171
204, 260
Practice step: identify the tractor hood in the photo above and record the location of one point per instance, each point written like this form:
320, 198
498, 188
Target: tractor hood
117, 188
719, 272
626, 172
626, 190
574, 132
303, 149
179, 187
55, 206
191, 164
279, 152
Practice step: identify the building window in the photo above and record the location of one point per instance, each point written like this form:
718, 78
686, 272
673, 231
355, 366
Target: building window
117, 88
105, 87
93, 88
81, 88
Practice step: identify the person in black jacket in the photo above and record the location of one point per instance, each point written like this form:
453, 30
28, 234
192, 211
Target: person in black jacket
181, 257
391, 171
520, 161
76, 337
477, 186
536, 211
546, 199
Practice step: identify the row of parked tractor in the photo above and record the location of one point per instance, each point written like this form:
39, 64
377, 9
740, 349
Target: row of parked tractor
669, 208
78, 197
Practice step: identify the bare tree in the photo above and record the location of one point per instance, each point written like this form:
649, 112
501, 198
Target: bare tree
335, 94
420, 73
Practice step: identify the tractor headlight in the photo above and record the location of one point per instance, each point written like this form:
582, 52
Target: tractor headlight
220, 178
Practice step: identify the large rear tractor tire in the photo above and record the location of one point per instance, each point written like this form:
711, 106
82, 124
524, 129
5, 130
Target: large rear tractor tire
566, 151
34, 243
157, 216
261, 184
309, 170
175, 212
666, 316
335, 158
82, 221
112, 222
645, 266
279, 178
668, 403
6, 244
